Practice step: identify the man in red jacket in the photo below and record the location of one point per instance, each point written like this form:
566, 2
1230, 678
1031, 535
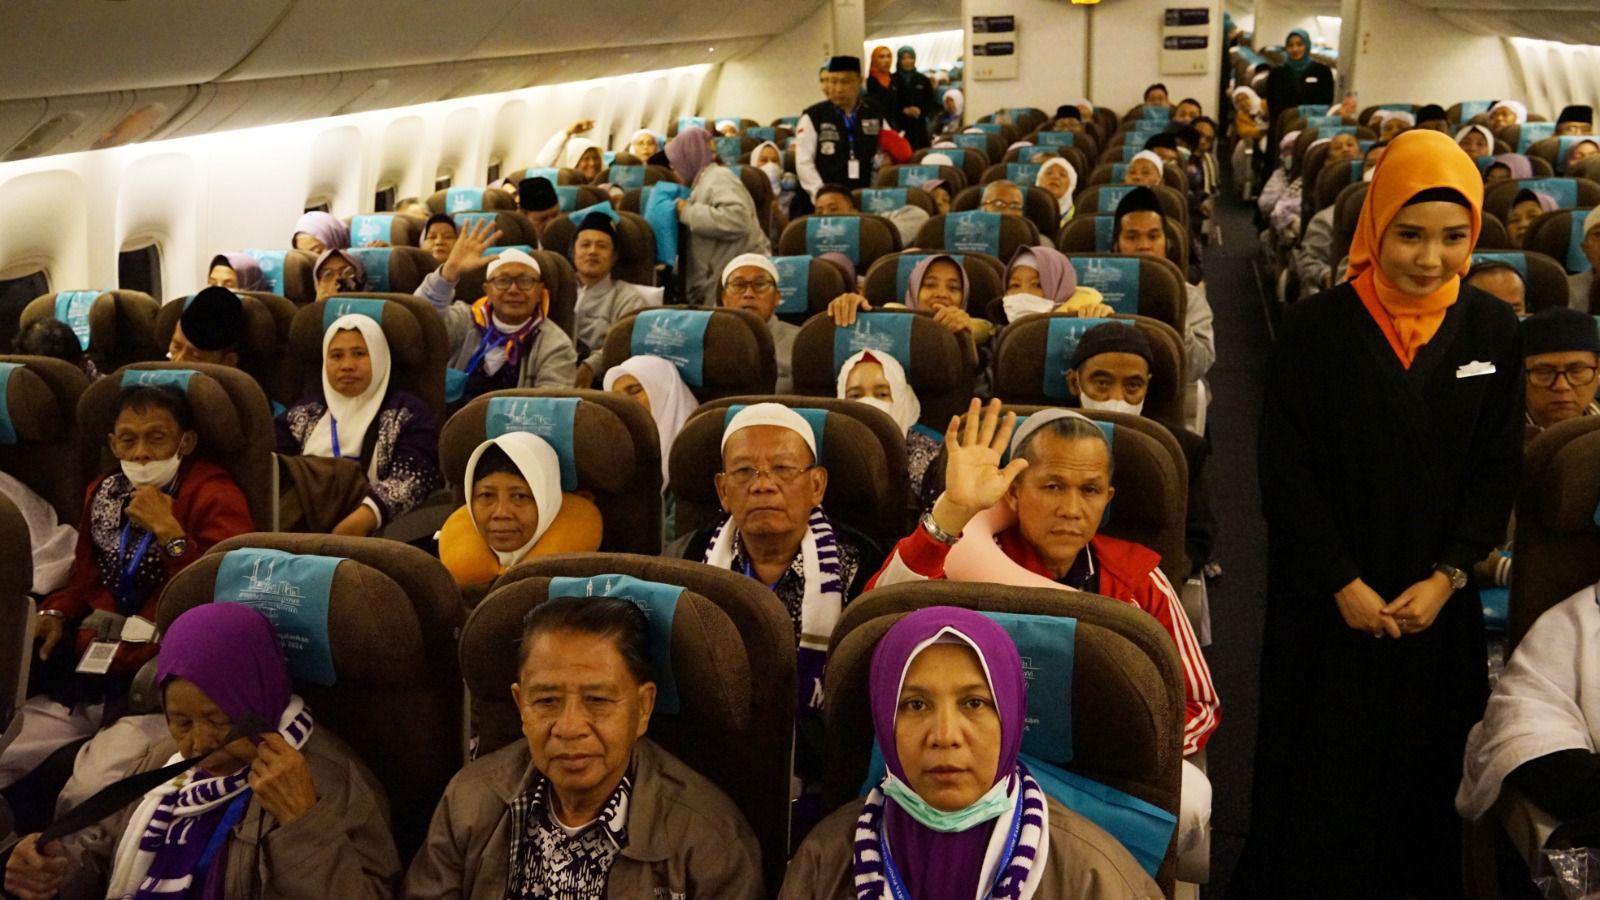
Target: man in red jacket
142, 523
1056, 487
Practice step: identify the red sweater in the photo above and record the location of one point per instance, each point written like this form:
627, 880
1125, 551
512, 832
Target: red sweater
1127, 571
211, 509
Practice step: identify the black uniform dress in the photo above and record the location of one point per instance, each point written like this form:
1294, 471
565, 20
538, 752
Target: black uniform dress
838, 140
1375, 471
913, 89
1286, 90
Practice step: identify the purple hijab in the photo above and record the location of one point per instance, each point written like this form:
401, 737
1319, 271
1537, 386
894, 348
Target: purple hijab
689, 153
1517, 164
244, 267
1546, 202
936, 865
920, 270
1057, 278
325, 227
347, 256
229, 652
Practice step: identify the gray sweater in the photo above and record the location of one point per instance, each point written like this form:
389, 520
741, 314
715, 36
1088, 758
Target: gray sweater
722, 223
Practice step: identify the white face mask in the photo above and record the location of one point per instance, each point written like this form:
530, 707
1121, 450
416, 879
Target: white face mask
1019, 305
774, 173
1115, 406
1368, 172
156, 473
878, 403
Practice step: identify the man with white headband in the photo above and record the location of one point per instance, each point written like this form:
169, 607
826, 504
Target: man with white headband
750, 282
503, 340
771, 486
1035, 523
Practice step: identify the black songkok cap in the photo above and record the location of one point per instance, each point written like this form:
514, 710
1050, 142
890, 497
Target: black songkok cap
536, 194
1140, 199
1559, 329
1166, 140
1069, 112
1430, 113
214, 319
597, 221
845, 64
1112, 337
1577, 113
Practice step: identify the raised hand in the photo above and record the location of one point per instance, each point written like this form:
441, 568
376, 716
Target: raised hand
467, 254
973, 478
842, 309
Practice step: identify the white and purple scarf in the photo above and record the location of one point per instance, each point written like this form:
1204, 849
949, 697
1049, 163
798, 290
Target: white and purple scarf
820, 606
1015, 878
173, 825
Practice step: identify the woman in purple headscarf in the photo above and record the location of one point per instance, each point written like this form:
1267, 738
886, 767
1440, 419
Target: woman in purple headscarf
287, 812
1508, 167
957, 816
719, 213
318, 232
1042, 280
1527, 206
235, 271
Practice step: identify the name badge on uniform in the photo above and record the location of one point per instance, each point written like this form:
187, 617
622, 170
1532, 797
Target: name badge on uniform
827, 148
853, 170
97, 659
1311, 79
1474, 369
871, 126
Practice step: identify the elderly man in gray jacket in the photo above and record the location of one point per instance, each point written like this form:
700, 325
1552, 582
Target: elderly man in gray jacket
587, 806
602, 300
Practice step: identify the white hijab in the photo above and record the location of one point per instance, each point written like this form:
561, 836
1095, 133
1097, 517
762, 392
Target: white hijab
903, 405
1481, 129
352, 415
540, 467
961, 100
1516, 107
1072, 180
671, 401
578, 146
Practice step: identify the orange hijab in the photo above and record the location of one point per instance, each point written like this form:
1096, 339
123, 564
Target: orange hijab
881, 77
1415, 162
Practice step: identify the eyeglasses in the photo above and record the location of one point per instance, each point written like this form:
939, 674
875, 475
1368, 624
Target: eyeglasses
327, 275
998, 206
1577, 375
759, 286
523, 282
744, 476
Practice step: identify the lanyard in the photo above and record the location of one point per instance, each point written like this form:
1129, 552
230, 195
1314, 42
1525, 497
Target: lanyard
897, 885
849, 129
125, 576
225, 825
333, 432
750, 572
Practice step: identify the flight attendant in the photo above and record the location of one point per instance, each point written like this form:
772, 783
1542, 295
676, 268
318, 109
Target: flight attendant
1390, 448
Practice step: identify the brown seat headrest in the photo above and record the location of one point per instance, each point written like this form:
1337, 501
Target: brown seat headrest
32, 412
738, 355
601, 447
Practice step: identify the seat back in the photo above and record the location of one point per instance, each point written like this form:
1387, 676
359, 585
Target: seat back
1521, 137
732, 666
1556, 539
1103, 198
970, 160
941, 366
418, 346
606, 442
39, 445
1097, 234
992, 146
16, 616
266, 338
114, 327
1588, 169
1334, 179
393, 229
637, 176
558, 177
869, 486
580, 196
1038, 205
471, 199
1545, 279
719, 352
1493, 235
394, 270
978, 232
635, 244
883, 201
916, 175
1126, 703
1346, 213
555, 271
1135, 285
807, 285
287, 273
231, 416
388, 627
1559, 235
863, 239
1569, 193
887, 280
1035, 353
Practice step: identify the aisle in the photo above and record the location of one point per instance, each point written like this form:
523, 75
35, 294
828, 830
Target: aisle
1238, 599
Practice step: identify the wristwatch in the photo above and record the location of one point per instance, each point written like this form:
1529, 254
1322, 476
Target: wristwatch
1458, 578
937, 533
176, 547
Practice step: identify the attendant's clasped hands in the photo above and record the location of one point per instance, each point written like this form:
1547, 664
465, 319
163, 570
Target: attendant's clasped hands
1413, 612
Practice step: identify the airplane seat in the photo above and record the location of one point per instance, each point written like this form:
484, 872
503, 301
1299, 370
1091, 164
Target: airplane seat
555, 271
231, 416
1309, 136
1588, 169
266, 337
580, 196
970, 160
39, 437
607, 445
807, 285
977, 231
1569, 193
287, 273
1559, 236
1556, 539
635, 243
1346, 213
1038, 205
1544, 277
16, 620
917, 175
729, 664
115, 328
730, 151
1125, 698
863, 238
1331, 180
1035, 352
869, 485
759, 186
992, 146
1103, 198
1492, 234
638, 175
393, 229
940, 365
883, 201
889, 277
373, 650
418, 346
394, 270
1115, 172
1095, 234
514, 227
719, 352
470, 199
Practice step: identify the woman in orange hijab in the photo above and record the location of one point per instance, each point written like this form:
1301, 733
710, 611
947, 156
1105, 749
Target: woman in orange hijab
1390, 448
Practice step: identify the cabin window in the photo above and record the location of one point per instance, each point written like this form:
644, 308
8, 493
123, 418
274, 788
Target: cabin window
139, 269
383, 201
15, 293
318, 204
441, 182
494, 172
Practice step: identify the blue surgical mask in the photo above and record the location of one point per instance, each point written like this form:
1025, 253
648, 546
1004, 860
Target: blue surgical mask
992, 805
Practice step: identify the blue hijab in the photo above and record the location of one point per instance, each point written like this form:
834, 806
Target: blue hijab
1299, 66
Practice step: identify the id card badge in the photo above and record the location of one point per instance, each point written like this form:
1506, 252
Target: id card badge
97, 659
853, 171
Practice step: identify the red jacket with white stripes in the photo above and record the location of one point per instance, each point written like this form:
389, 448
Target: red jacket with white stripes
1128, 572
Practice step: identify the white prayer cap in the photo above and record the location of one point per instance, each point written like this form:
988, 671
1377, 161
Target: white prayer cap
758, 260
937, 159
771, 414
1149, 156
513, 256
